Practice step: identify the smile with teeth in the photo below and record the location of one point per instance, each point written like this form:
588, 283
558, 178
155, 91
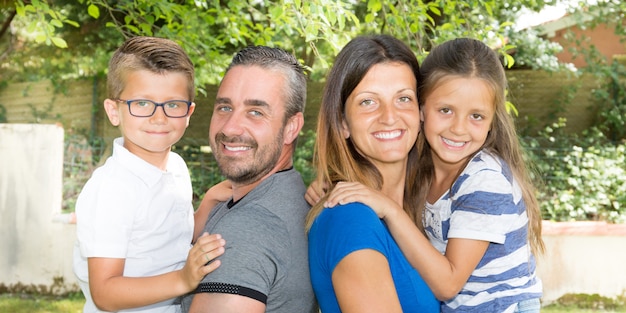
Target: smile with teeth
388, 134
453, 143
236, 148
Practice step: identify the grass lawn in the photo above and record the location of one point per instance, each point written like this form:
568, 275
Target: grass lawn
575, 309
25, 303
586, 303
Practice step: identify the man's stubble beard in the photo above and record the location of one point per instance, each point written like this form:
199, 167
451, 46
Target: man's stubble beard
245, 172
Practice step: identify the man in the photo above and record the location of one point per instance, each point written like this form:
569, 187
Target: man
257, 117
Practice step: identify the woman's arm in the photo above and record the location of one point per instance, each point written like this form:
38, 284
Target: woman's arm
363, 283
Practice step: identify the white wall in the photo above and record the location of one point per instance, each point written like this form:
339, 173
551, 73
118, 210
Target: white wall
34, 250
583, 257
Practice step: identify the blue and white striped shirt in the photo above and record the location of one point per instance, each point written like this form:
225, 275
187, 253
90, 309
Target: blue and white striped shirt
485, 203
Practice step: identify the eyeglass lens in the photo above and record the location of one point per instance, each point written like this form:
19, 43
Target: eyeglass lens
145, 108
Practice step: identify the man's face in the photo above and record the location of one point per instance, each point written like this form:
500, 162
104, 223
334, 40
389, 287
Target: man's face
246, 131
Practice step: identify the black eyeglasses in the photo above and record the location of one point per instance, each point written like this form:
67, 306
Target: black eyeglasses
146, 108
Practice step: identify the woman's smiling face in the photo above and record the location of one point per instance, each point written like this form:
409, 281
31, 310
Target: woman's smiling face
382, 113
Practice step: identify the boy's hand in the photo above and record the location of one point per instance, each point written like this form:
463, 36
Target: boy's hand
201, 259
348, 192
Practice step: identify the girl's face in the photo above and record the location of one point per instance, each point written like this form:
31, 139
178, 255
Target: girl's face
382, 114
457, 117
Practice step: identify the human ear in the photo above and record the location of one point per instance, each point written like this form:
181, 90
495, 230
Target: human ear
345, 130
192, 108
293, 127
111, 108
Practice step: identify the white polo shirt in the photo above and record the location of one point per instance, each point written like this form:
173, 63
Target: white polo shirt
132, 210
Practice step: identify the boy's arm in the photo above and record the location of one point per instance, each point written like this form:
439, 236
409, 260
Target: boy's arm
111, 291
218, 193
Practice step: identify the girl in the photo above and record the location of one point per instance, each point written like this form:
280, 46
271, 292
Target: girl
476, 200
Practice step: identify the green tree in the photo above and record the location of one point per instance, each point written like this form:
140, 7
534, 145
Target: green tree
69, 38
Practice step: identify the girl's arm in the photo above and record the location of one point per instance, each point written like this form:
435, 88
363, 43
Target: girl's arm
445, 274
363, 283
218, 193
112, 291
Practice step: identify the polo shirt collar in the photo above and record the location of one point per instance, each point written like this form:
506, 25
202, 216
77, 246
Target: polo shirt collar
145, 171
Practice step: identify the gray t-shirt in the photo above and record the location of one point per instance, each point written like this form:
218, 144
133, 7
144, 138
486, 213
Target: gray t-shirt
266, 254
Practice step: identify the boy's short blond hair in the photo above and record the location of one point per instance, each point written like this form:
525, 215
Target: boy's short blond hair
157, 55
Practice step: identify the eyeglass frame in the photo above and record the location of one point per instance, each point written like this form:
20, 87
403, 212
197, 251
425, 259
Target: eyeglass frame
156, 105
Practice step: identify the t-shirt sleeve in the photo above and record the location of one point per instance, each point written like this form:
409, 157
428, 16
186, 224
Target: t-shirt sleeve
255, 246
483, 207
105, 216
344, 229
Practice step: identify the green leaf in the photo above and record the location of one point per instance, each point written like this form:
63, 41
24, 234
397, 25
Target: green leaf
374, 5
73, 23
510, 107
30, 8
93, 11
509, 60
59, 42
40, 38
56, 23
20, 10
133, 29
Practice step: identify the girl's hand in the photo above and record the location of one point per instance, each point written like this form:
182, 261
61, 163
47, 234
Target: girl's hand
315, 192
201, 259
348, 192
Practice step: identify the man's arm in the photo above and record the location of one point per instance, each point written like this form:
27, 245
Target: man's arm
224, 303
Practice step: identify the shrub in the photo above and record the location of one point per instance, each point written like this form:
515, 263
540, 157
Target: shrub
584, 178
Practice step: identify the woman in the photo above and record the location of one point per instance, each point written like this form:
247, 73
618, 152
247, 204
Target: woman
366, 133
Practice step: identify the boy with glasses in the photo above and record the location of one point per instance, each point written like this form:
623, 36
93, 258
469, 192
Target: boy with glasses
135, 214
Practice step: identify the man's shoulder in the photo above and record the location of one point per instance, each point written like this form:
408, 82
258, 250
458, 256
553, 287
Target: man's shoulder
282, 189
